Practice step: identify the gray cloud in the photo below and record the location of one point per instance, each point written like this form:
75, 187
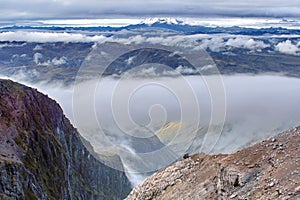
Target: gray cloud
37, 9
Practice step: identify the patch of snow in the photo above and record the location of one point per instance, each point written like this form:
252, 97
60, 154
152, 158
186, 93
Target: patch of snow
167, 20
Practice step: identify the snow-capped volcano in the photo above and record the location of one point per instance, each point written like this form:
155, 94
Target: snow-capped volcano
167, 20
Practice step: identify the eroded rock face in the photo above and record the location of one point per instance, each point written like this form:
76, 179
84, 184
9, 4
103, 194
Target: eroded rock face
267, 170
42, 156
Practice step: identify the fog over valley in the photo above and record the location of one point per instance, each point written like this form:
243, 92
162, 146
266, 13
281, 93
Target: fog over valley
256, 108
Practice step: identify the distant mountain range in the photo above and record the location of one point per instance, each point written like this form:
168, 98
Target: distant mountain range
170, 24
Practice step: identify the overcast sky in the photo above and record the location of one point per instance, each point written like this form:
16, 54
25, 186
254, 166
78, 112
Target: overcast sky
50, 9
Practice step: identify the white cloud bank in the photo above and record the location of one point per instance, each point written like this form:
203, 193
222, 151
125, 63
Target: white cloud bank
48, 37
288, 47
246, 43
257, 106
212, 42
37, 59
218, 43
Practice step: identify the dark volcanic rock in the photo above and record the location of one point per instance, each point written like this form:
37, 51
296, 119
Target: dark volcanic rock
267, 170
42, 156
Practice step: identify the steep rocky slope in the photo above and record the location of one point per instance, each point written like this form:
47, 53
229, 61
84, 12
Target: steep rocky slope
42, 156
267, 170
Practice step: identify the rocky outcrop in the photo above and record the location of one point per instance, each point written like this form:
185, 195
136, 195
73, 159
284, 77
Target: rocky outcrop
43, 157
267, 170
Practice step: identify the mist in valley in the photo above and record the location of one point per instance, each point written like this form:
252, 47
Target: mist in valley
150, 124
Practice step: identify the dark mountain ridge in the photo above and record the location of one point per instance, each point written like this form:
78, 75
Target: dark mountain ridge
42, 156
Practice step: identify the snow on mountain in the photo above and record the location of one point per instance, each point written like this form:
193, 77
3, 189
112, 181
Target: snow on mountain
167, 20
214, 22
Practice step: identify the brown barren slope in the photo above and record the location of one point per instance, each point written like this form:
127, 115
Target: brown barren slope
267, 170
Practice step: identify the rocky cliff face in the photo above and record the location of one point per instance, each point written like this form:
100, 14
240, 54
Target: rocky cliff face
42, 156
267, 170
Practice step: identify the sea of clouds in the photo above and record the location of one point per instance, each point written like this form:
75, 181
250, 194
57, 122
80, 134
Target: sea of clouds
257, 107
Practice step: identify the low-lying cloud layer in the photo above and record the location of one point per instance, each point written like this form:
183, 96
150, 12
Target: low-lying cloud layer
256, 107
